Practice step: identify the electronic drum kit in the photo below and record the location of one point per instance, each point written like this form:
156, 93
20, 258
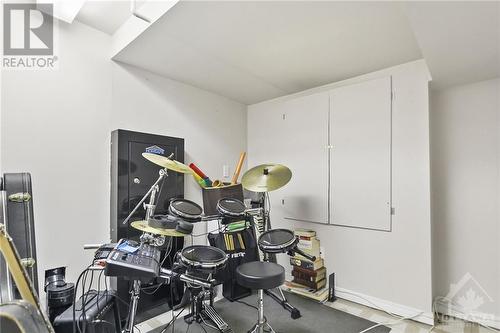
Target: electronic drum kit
201, 262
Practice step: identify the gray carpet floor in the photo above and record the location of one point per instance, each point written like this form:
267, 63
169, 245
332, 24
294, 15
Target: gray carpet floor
316, 317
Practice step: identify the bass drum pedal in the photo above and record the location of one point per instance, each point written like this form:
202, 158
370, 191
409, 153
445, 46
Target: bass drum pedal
201, 309
217, 319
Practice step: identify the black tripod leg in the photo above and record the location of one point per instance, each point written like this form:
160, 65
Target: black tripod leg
271, 257
294, 312
186, 299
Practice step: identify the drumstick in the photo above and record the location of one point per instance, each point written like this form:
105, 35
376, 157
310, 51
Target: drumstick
197, 171
197, 177
199, 180
238, 168
226, 241
242, 244
208, 182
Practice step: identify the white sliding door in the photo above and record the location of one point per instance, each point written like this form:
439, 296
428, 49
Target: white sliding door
360, 159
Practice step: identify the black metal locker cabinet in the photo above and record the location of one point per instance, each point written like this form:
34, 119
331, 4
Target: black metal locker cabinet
131, 177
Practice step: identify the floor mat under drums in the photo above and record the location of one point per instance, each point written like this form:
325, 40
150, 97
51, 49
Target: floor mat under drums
316, 318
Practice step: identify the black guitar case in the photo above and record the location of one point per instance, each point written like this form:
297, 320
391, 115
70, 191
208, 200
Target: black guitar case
19, 218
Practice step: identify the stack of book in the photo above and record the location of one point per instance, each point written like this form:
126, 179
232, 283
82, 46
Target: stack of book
318, 295
309, 277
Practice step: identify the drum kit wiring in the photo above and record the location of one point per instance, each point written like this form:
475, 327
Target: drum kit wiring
194, 265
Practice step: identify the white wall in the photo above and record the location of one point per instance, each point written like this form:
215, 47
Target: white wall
465, 142
391, 268
214, 128
55, 125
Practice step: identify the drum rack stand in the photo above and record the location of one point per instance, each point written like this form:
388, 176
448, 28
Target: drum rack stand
281, 298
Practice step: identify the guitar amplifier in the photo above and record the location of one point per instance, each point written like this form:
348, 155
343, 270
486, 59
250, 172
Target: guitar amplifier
98, 314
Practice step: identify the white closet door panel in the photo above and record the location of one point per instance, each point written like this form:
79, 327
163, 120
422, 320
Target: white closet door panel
267, 135
305, 152
360, 132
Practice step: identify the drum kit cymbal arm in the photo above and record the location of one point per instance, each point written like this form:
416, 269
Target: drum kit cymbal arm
152, 191
170, 275
150, 207
92, 246
302, 253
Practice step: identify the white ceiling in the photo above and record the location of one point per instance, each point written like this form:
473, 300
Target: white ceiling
253, 51
460, 41
106, 16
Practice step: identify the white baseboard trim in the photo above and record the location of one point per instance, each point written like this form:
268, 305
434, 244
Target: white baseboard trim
374, 302
481, 318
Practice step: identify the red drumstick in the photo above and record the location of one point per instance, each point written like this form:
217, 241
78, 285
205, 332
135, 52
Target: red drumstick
197, 170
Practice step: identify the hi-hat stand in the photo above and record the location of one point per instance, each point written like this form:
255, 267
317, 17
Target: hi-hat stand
281, 298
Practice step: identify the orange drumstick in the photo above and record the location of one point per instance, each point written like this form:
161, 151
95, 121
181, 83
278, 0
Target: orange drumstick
238, 168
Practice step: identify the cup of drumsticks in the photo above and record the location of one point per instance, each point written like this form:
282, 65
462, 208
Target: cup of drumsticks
205, 182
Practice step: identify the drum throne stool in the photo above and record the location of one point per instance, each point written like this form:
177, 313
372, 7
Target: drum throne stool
260, 275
